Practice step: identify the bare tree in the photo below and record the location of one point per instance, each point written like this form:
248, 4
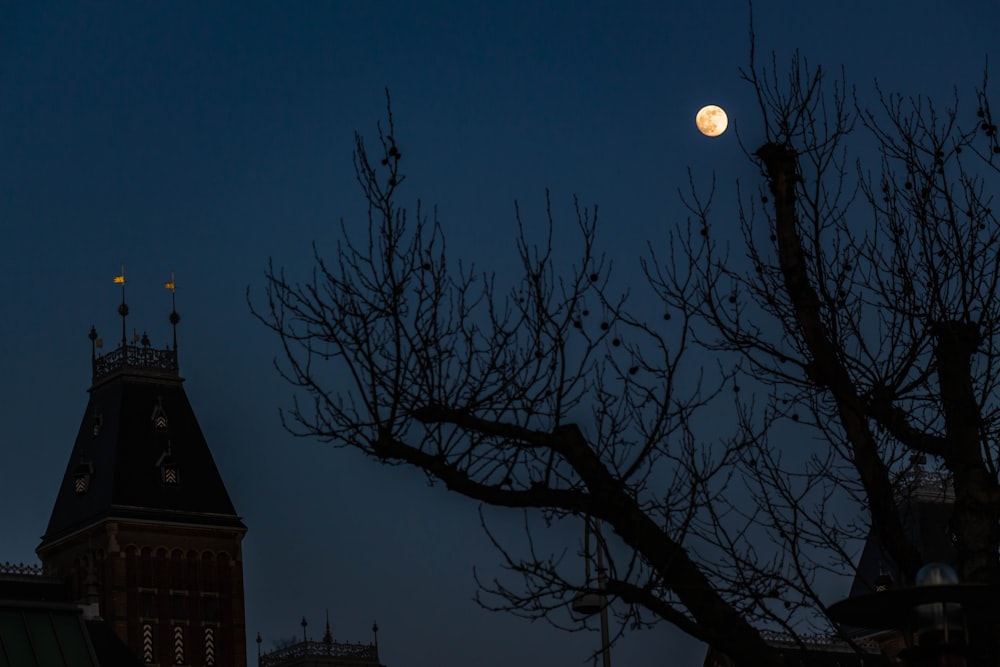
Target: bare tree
860, 315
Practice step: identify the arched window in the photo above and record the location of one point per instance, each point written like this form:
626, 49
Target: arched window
146, 568
209, 577
177, 569
161, 576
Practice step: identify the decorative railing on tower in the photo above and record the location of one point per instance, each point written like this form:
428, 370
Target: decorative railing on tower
142, 357
918, 483
344, 652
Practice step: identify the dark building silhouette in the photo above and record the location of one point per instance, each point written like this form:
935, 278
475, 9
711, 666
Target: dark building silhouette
926, 501
142, 521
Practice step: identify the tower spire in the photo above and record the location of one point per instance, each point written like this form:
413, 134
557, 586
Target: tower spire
327, 637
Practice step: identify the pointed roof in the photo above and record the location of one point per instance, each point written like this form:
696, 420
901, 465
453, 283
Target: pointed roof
140, 453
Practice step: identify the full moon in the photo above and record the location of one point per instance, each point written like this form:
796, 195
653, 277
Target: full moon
712, 120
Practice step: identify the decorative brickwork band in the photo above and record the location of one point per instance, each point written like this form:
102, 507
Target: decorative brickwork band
147, 643
209, 646
178, 645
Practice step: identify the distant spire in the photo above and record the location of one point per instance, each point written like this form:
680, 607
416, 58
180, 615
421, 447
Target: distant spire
93, 342
304, 624
259, 640
327, 637
375, 632
122, 309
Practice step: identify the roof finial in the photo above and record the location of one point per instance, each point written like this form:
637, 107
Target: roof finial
93, 342
327, 637
259, 640
375, 632
91, 601
174, 317
122, 309
304, 624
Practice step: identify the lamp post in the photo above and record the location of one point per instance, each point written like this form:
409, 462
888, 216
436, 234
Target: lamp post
944, 623
594, 603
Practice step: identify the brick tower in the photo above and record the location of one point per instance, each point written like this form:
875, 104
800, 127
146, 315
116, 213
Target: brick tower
142, 525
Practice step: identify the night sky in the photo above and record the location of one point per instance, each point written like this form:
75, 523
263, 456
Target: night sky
204, 138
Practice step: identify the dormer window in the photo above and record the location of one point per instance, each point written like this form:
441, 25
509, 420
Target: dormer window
170, 474
159, 417
97, 423
169, 470
81, 477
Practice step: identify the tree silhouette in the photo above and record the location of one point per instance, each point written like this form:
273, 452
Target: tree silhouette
861, 317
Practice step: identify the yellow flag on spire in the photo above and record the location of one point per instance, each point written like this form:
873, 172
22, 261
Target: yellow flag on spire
170, 283
120, 280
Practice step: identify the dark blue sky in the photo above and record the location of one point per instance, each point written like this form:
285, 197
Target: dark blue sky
205, 139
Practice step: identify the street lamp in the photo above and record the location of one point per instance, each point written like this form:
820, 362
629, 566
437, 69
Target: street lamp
590, 603
944, 623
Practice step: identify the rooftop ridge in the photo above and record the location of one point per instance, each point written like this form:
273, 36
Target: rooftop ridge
23, 569
826, 642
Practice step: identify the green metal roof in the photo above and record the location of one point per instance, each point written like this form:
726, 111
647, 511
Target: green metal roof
43, 635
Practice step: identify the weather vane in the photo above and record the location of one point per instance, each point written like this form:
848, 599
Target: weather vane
122, 309
174, 317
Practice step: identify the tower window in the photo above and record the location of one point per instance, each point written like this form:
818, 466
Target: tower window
98, 422
147, 605
210, 609
178, 607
